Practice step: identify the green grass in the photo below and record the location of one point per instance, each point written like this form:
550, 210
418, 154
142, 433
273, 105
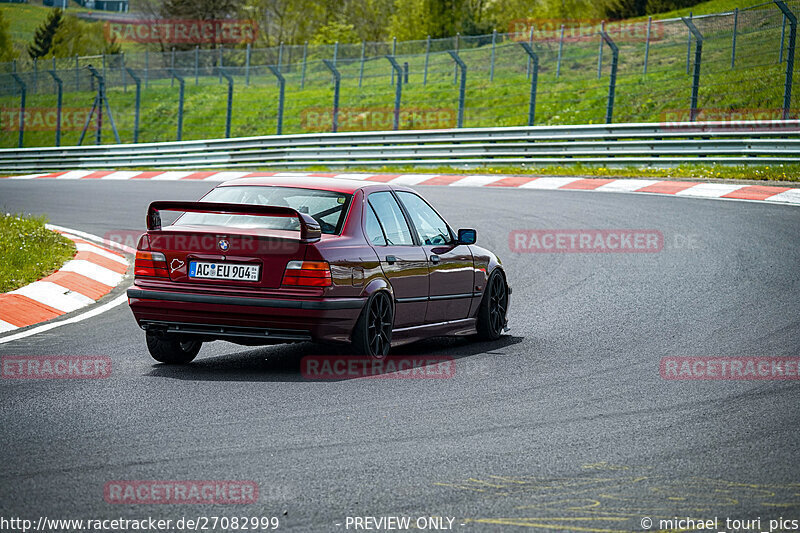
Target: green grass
29, 250
575, 96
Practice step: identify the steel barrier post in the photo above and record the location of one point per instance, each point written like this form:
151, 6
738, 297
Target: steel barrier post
787, 89
282, 83
23, 90
427, 54
534, 80
337, 79
303, 74
180, 100
494, 45
612, 84
230, 102
733, 42
698, 55
361, 68
560, 52
137, 109
647, 44
59, 101
398, 92
463, 89
600, 50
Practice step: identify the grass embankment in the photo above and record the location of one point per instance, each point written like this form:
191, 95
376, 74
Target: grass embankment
573, 96
29, 250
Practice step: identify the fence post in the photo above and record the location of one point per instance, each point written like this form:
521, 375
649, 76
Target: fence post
612, 85
530, 42
733, 42
77, 75
54, 67
246, 66
104, 67
122, 72
783, 39
787, 90
221, 60
600, 50
146, 69
698, 54
59, 100
172, 67
398, 92
647, 44
394, 53
335, 51
405, 72
229, 111
560, 52
282, 83
494, 45
280, 56
36, 74
455, 67
99, 101
180, 100
196, 64
463, 90
361, 68
23, 89
688, 46
137, 109
303, 75
534, 80
427, 55
337, 78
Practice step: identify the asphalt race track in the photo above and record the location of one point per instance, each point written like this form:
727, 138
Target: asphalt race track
564, 424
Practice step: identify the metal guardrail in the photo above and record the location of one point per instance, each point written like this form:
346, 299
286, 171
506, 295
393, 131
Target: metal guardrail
664, 144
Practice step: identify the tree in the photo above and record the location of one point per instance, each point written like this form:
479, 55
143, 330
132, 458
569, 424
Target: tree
76, 37
43, 38
7, 52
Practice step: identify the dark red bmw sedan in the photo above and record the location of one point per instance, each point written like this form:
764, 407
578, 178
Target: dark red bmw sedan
269, 260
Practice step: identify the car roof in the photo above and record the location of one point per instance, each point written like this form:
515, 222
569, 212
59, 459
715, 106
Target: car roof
342, 185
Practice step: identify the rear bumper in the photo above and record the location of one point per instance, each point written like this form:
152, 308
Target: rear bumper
222, 317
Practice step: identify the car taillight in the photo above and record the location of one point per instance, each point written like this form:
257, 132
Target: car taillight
153, 264
307, 274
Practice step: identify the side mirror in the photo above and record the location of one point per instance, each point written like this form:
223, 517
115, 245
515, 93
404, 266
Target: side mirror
467, 236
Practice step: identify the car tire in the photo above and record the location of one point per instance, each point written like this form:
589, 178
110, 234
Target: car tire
494, 306
172, 349
372, 334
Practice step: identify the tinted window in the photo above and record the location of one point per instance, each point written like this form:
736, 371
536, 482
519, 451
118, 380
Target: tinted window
326, 207
431, 228
394, 224
373, 229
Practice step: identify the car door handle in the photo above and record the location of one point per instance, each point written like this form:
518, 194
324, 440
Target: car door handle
391, 259
434, 258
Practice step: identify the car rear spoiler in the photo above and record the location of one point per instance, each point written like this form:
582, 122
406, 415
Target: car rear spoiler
309, 228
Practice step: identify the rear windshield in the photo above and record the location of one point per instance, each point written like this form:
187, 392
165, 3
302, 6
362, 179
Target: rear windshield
326, 207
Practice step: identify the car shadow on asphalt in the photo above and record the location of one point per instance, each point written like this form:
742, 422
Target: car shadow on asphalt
284, 362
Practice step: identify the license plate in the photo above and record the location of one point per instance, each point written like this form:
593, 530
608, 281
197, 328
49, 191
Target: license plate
229, 271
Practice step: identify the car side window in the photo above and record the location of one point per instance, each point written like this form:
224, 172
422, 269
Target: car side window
431, 228
391, 218
372, 229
